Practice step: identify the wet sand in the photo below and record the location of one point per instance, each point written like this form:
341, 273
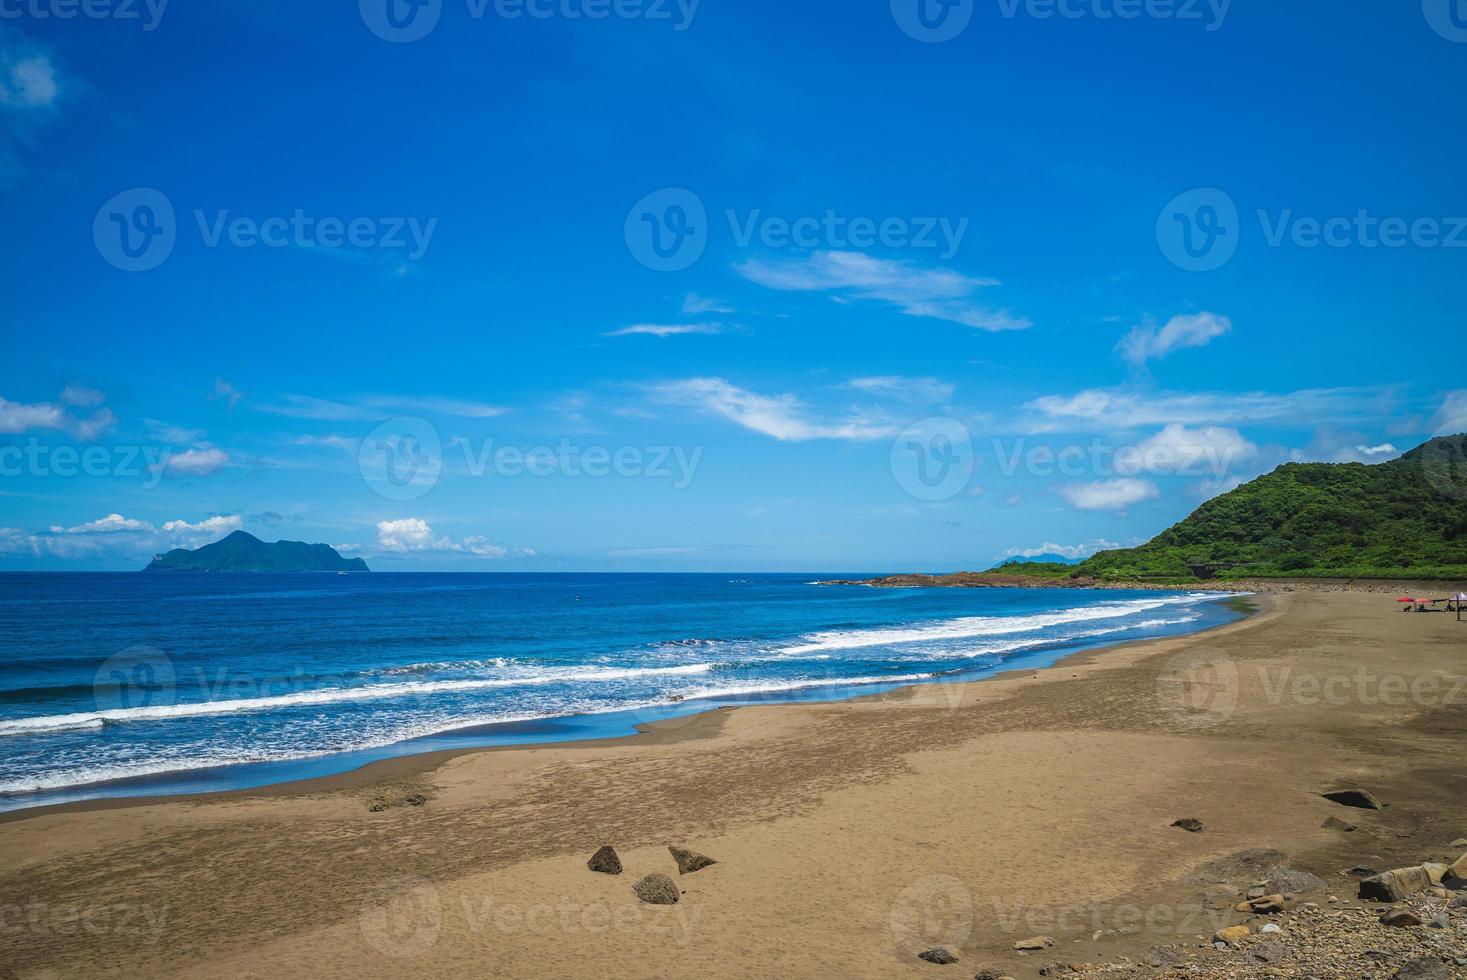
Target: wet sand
849, 836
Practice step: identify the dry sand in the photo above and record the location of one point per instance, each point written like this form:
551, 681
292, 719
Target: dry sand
849, 836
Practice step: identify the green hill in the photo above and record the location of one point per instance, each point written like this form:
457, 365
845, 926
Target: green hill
242, 552
1406, 518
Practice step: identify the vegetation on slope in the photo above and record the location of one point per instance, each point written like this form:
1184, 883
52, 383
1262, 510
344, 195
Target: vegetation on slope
1406, 518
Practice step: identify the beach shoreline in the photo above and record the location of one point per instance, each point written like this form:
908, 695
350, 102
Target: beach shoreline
1032, 790
419, 763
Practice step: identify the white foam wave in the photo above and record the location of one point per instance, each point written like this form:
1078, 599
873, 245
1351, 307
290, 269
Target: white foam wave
336, 695
968, 627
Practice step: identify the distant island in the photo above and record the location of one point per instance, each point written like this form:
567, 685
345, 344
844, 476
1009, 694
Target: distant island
243, 552
1405, 519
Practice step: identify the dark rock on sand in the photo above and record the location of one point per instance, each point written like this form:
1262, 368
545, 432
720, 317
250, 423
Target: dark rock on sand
1395, 886
657, 889
1357, 798
1292, 881
1335, 823
1424, 969
1401, 918
1266, 952
415, 799
988, 973
1361, 871
689, 861
605, 861
940, 956
1190, 824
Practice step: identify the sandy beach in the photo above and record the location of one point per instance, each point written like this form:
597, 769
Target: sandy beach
849, 837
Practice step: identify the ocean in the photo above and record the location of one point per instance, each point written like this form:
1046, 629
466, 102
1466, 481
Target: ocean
137, 684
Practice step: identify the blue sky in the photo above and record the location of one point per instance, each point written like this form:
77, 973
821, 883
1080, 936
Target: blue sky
364, 275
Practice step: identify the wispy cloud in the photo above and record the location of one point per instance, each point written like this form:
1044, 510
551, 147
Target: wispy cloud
195, 462
1151, 343
666, 329
922, 391
115, 536
18, 417
376, 408
784, 417
1113, 409
695, 305
935, 293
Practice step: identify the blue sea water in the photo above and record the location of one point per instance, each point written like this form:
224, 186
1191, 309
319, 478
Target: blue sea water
131, 684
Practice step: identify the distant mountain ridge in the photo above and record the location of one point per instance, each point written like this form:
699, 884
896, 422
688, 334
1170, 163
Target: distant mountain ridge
1406, 518
243, 552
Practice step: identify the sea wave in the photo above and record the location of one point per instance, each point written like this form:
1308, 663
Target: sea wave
336, 695
967, 627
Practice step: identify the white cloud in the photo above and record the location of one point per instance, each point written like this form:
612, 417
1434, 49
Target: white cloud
81, 396
413, 535
27, 82
936, 293
1148, 343
410, 534
1111, 409
110, 524
114, 537
924, 391
695, 305
780, 416
1115, 494
1384, 449
18, 417
195, 462
666, 329
1178, 449
210, 525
